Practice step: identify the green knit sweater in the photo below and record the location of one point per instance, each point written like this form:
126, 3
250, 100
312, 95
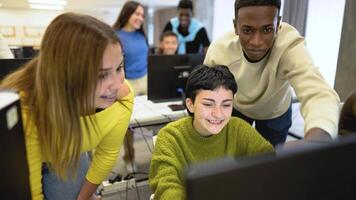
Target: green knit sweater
179, 144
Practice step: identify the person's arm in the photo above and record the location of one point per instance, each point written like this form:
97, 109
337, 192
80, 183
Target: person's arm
319, 102
34, 158
87, 191
204, 39
113, 126
205, 50
313, 135
317, 134
166, 170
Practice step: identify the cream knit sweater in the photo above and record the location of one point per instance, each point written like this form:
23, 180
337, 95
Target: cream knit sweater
265, 87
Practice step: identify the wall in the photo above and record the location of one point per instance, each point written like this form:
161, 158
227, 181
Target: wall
26, 26
323, 33
204, 12
35, 22
223, 16
345, 81
160, 19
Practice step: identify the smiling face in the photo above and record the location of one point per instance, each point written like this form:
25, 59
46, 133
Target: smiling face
257, 28
212, 110
136, 19
111, 76
169, 45
184, 16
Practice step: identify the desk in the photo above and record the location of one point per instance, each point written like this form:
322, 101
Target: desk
147, 113
297, 127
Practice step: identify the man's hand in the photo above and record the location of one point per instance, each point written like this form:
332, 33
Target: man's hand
313, 135
95, 197
317, 135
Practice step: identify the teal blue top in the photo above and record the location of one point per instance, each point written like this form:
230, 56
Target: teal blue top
193, 29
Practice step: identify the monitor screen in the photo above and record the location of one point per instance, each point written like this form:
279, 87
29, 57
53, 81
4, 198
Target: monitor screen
14, 181
9, 65
168, 74
320, 171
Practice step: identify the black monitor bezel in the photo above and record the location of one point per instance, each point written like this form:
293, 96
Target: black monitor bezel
163, 73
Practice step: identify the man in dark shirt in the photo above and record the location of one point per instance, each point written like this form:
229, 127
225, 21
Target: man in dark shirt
192, 35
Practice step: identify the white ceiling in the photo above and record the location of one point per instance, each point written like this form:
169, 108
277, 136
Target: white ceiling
90, 5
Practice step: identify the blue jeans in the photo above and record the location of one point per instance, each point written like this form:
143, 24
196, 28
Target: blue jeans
274, 130
54, 188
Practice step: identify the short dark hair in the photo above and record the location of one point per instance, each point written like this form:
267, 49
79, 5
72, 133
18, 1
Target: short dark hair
347, 122
245, 3
185, 4
168, 33
209, 78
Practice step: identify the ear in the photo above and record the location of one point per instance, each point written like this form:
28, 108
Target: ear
234, 21
190, 105
278, 23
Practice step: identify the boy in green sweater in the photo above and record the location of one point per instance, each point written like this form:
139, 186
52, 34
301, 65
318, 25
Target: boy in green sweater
209, 133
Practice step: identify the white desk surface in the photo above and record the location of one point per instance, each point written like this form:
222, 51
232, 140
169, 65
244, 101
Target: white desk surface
147, 113
297, 127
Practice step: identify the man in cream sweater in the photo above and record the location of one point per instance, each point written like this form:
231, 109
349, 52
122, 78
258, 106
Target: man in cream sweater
267, 57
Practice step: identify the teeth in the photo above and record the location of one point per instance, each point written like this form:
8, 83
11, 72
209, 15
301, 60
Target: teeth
215, 121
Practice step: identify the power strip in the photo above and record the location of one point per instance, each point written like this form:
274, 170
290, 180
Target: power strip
124, 185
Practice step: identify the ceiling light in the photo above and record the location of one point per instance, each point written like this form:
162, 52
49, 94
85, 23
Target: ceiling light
46, 7
49, 2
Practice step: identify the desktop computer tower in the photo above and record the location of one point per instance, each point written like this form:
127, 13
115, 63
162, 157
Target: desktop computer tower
14, 172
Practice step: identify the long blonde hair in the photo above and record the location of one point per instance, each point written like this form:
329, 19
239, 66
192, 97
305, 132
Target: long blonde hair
59, 85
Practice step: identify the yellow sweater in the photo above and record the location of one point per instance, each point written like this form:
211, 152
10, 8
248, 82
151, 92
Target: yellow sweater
265, 87
112, 122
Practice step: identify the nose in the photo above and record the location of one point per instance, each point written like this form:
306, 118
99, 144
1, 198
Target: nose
171, 46
117, 80
216, 112
142, 18
256, 39
184, 18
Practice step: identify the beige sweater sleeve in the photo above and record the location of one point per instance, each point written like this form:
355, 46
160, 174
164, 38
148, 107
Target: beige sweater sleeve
319, 102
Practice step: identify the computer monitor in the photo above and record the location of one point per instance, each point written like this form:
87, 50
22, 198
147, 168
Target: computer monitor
326, 171
14, 171
9, 65
168, 74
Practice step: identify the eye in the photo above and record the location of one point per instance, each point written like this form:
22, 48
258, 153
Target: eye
103, 76
208, 104
120, 68
268, 29
227, 105
247, 30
